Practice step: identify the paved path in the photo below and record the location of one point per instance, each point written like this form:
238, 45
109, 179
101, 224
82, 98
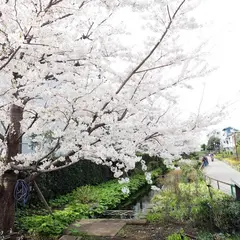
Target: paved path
221, 171
100, 227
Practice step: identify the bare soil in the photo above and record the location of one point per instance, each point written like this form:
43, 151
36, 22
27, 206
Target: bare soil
151, 231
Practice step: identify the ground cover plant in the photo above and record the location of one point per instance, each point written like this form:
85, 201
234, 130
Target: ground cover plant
84, 202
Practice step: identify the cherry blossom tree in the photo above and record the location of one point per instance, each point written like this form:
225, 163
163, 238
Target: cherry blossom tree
93, 79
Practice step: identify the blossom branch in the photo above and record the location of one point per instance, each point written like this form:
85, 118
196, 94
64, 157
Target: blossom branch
52, 21
11, 57
35, 118
153, 49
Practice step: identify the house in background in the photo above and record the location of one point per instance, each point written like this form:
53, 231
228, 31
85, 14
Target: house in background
228, 139
25, 146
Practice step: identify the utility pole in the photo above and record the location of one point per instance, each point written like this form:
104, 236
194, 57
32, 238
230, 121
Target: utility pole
235, 143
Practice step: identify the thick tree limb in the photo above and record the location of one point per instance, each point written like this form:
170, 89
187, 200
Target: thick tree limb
1, 137
10, 58
57, 168
154, 135
90, 130
23, 168
123, 115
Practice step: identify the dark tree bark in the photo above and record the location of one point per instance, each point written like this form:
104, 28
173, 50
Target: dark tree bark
14, 132
7, 206
8, 179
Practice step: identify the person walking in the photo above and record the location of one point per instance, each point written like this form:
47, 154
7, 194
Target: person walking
212, 157
205, 161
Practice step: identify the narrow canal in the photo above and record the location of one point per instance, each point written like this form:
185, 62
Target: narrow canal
136, 207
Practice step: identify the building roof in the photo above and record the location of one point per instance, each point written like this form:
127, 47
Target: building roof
230, 128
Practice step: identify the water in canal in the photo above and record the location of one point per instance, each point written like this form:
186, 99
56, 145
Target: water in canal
136, 207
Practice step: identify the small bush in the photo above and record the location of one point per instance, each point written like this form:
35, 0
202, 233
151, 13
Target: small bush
178, 236
84, 194
226, 214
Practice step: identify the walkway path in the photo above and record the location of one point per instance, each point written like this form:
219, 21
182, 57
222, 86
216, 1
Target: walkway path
221, 171
100, 227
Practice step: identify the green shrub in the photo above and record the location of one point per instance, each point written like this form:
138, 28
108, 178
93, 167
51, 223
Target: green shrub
183, 201
188, 203
226, 214
85, 194
178, 236
186, 198
154, 217
205, 236
216, 236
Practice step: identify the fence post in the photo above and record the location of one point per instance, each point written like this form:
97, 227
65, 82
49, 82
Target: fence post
218, 185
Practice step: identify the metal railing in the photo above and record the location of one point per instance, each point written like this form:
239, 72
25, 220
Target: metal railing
225, 187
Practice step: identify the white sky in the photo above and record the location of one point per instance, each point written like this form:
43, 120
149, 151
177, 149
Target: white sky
221, 21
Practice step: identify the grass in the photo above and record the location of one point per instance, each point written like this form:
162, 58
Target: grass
230, 159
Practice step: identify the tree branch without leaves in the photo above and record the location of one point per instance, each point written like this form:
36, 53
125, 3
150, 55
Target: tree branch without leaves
157, 67
35, 118
1, 137
90, 130
50, 152
52, 21
10, 58
123, 115
162, 114
154, 135
52, 3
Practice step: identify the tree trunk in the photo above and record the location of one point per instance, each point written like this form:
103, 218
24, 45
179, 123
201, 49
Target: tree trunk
8, 179
14, 132
7, 206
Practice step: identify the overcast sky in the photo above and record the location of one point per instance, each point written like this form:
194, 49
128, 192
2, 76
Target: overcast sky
221, 21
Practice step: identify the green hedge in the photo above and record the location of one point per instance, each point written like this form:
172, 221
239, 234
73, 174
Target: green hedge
83, 202
66, 180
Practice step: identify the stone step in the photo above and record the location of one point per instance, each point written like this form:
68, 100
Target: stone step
97, 227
